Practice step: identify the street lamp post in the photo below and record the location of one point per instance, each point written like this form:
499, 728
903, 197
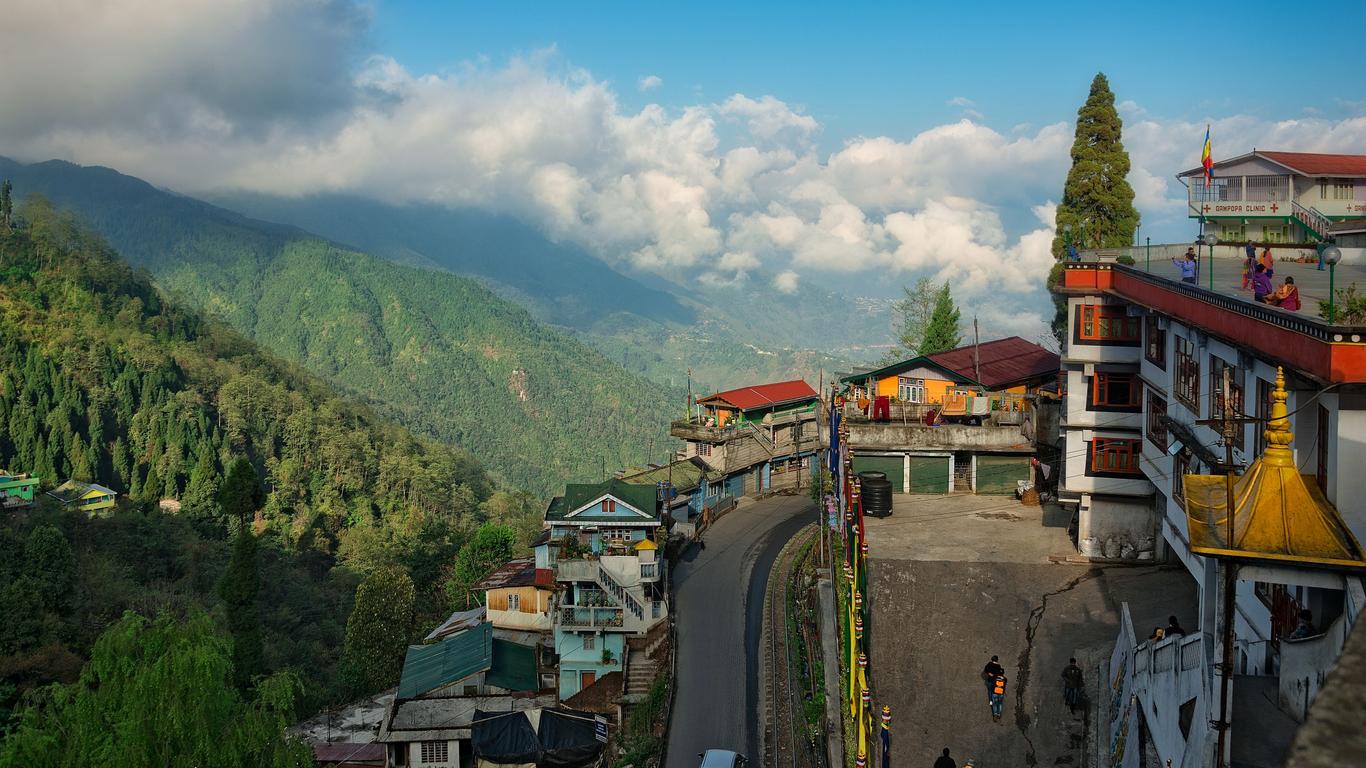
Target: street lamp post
1211, 241
1331, 256
1148, 259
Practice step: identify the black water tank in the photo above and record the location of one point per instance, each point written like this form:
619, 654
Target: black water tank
876, 491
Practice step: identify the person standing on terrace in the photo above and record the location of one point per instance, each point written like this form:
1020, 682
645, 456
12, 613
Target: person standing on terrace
1187, 266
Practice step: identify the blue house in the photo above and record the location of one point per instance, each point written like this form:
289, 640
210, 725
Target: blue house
600, 542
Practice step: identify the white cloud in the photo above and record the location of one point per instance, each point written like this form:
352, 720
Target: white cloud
276, 96
650, 82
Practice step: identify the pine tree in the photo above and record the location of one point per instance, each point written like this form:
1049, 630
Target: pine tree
6, 203
200, 501
241, 494
239, 589
942, 333
1097, 201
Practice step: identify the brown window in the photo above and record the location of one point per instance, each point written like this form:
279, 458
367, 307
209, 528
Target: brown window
1187, 383
704, 449
1263, 413
1114, 390
1321, 471
1155, 343
1157, 411
1114, 456
1216, 393
1180, 466
1100, 322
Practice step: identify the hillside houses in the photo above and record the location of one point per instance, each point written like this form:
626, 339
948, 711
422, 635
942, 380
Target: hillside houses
760, 438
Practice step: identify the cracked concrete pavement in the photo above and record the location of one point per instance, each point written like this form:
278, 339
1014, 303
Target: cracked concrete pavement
956, 579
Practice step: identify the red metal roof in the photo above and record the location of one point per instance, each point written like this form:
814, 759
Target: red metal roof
764, 395
1312, 164
1004, 362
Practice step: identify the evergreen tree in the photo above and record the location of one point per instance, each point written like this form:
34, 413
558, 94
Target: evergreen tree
6, 203
942, 332
377, 630
915, 311
159, 693
239, 589
241, 494
200, 502
1097, 201
493, 544
49, 563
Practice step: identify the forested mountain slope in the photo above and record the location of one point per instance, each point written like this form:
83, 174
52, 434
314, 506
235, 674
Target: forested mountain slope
440, 353
103, 379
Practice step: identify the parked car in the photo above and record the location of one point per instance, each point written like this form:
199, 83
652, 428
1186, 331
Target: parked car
722, 758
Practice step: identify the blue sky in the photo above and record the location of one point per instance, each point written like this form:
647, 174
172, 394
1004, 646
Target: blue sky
891, 69
785, 145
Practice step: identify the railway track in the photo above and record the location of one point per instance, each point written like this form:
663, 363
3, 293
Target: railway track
785, 742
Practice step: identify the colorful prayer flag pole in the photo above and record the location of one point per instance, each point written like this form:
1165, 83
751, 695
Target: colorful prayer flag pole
1207, 159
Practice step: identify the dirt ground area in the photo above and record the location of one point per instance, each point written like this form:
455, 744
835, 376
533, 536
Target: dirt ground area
956, 579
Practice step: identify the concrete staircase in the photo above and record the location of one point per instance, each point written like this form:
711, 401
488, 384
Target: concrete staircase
640, 674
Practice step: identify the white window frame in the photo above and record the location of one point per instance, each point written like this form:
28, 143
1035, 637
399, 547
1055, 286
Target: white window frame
434, 752
590, 642
910, 390
514, 602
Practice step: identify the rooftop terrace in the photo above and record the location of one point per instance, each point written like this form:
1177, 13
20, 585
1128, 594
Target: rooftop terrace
1300, 340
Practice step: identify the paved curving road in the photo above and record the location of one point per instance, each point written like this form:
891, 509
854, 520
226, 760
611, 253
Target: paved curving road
719, 609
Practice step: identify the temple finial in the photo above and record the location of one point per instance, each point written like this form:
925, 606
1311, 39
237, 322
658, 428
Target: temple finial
1278, 434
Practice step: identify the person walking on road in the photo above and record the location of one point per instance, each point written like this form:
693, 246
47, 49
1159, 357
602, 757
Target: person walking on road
1187, 265
996, 696
945, 761
991, 671
1072, 684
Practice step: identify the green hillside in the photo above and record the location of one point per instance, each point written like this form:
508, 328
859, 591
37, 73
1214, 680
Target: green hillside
437, 352
103, 379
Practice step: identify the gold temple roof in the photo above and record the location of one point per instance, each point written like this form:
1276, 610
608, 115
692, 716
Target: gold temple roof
1279, 515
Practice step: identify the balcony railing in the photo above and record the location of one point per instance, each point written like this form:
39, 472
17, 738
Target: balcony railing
595, 616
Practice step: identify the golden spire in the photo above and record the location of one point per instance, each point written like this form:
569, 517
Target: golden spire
1279, 515
1278, 434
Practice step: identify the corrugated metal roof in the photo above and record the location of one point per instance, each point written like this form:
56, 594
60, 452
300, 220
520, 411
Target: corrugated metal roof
1003, 362
345, 753
513, 667
643, 497
458, 622
764, 395
519, 572
446, 661
1315, 164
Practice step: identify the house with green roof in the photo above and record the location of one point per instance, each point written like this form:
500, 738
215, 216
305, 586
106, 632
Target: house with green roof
87, 497
442, 685
601, 543
17, 490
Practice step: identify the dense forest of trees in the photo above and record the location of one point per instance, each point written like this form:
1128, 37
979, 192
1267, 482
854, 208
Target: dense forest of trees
289, 494
439, 353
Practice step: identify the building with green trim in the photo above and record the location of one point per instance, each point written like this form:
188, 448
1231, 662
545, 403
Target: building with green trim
17, 490
87, 497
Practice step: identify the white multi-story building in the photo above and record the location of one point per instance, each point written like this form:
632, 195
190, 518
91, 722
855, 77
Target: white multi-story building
1277, 197
1144, 363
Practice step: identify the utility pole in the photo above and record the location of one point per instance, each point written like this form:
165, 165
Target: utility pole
976, 353
1230, 579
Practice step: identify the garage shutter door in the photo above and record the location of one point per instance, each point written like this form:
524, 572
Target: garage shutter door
929, 474
888, 465
997, 474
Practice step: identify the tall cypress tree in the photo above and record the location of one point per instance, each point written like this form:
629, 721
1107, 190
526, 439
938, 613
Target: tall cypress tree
240, 586
1097, 201
942, 332
241, 494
